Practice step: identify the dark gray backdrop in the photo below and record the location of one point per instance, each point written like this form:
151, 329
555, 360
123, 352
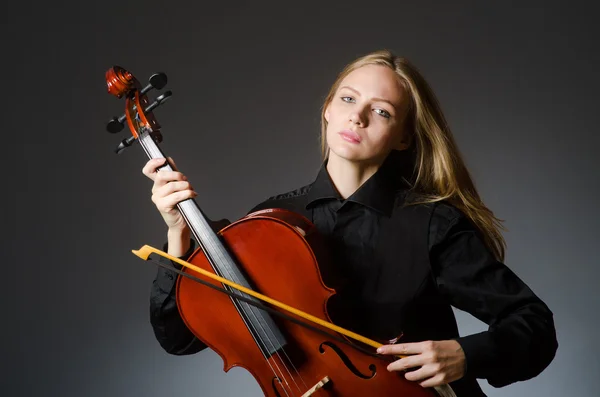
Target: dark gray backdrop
518, 84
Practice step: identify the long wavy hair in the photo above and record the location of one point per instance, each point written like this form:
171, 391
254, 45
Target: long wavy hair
440, 172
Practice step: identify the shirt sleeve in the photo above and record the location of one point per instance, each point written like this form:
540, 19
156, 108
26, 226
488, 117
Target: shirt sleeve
169, 329
521, 338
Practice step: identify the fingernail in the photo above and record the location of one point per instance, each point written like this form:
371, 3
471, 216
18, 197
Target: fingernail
380, 350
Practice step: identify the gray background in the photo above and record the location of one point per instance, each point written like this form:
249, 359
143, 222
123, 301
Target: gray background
518, 82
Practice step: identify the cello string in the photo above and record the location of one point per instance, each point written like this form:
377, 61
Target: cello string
280, 358
268, 331
147, 143
289, 360
249, 324
256, 335
152, 150
262, 306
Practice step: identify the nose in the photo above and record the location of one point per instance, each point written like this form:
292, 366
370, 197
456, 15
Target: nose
357, 117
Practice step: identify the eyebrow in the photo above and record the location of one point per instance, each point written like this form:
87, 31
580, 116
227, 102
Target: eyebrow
375, 99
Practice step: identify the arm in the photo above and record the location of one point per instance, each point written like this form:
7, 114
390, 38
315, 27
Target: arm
521, 339
169, 329
168, 189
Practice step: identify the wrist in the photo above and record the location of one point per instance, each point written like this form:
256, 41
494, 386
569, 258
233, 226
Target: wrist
178, 241
175, 231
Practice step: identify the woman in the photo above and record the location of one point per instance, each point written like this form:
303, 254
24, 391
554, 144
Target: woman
408, 232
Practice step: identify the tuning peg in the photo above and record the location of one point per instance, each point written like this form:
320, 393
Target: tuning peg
159, 101
157, 81
125, 143
115, 125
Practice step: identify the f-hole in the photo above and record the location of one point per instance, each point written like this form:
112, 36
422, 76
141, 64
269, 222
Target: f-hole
347, 361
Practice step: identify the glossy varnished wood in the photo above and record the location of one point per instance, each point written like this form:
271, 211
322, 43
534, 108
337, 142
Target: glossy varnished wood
281, 264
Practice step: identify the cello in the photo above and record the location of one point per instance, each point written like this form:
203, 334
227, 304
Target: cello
267, 306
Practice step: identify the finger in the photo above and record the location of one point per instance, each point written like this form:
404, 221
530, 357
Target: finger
437, 380
166, 182
300, 230
172, 187
169, 202
407, 363
425, 372
406, 348
150, 167
163, 177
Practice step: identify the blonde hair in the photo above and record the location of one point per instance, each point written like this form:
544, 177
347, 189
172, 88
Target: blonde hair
441, 173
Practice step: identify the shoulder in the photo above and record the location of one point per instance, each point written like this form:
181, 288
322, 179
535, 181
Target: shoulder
449, 223
440, 210
293, 200
441, 217
446, 213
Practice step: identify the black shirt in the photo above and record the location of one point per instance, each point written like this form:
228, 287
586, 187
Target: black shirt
403, 267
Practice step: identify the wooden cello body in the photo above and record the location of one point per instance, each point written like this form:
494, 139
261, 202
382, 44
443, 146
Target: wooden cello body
281, 263
278, 254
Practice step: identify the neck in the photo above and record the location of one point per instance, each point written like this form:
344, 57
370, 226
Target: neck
347, 175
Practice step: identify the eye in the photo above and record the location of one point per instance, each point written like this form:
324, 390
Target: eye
348, 99
383, 113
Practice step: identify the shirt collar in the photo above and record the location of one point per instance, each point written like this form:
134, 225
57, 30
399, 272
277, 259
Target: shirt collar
378, 192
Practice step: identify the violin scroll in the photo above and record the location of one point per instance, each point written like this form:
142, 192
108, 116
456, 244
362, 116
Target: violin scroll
138, 112
119, 81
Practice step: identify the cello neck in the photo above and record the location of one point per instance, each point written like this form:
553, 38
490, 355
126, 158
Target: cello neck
189, 209
260, 323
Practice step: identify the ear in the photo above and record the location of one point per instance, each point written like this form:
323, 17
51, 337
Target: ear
326, 113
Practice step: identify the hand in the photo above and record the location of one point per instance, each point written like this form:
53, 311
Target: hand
440, 362
170, 188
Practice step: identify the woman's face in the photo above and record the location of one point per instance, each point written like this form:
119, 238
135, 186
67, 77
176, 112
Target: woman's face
365, 116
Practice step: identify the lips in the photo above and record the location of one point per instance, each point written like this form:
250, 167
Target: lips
350, 136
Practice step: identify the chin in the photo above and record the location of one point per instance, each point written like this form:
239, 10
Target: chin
350, 151
347, 153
